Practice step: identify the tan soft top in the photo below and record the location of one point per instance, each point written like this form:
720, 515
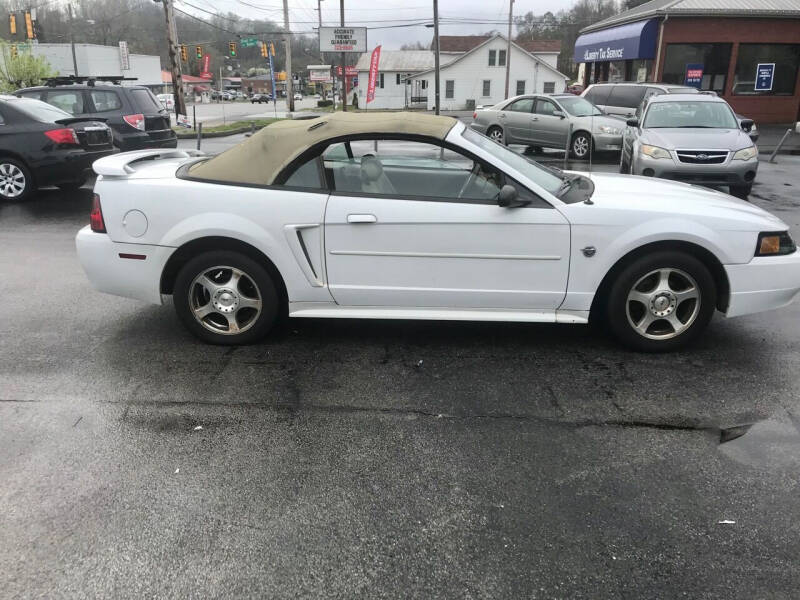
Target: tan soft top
259, 159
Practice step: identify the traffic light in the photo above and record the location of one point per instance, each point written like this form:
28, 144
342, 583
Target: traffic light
272, 48
14, 51
232, 48
28, 24
12, 24
264, 49
184, 53
198, 50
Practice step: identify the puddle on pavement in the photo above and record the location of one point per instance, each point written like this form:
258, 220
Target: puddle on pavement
770, 444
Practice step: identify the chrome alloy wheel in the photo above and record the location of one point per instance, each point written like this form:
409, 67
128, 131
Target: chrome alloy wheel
663, 304
225, 300
12, 180
580, 146
496, 134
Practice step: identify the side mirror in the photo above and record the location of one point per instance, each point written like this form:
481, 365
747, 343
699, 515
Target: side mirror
508, 197
558, 113
632, 122
747, 124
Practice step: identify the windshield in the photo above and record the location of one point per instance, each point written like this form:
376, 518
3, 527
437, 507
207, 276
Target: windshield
38, 110
579, 107
688, 114
532, 170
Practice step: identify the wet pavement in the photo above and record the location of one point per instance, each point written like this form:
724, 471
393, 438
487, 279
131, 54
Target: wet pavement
384, 459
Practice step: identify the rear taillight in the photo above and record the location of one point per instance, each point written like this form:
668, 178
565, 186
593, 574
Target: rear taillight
475, 115
63, 136
96, 216
135, 121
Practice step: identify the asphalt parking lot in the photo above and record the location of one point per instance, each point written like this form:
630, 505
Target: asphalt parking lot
381, 459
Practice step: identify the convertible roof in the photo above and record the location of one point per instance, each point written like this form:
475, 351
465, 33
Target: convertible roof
259, 159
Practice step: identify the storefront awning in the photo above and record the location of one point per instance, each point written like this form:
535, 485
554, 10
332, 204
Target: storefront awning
626, 42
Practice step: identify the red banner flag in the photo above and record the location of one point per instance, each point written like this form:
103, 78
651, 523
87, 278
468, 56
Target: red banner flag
205, 72
373, 73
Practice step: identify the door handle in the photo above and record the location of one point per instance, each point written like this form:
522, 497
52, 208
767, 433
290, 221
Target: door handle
534, 118
501, 116
362, 219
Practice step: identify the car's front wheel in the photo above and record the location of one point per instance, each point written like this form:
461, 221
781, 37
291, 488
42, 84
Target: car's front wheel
661, 302
226, 298
581, 146
16, 182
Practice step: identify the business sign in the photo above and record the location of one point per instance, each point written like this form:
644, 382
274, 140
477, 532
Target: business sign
350, 71
625, 42
124, 56
342, 39
320, 73
205, 71
374, 61
694, 75
765, 74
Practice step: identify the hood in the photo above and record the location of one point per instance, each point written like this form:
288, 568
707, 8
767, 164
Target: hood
674, 198
697, 139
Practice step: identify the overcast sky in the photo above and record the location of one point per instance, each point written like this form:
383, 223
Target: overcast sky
382, 13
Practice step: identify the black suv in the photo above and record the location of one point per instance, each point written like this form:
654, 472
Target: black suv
136, 117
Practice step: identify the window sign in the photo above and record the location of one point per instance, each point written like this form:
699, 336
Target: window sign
765, 74
694, 75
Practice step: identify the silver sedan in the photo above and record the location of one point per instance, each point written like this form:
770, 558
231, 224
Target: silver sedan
550, 122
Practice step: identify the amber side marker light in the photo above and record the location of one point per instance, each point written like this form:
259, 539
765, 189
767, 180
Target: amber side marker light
775, 243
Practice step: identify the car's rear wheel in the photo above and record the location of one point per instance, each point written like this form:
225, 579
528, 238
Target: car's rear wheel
16, 182
581, 145
741, 191
226, 298
496, 133
661, 302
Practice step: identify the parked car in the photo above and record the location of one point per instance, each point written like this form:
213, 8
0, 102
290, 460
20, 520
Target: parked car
260, 98
623, 99
41, 145
547, 121
690, 137
136, 117
167, 101
414, 216
298, 96
575, 88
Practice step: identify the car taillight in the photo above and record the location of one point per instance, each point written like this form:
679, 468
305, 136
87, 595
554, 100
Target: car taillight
475, 115
63, 136
135, 121
96, 216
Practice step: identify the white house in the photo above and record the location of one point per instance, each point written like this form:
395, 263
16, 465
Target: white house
393, 87
476, 76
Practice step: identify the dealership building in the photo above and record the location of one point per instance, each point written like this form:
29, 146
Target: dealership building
747, 51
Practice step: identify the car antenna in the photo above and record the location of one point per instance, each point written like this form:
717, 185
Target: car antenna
591, 144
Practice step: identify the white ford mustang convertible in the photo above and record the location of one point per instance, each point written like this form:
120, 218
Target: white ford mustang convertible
405, 216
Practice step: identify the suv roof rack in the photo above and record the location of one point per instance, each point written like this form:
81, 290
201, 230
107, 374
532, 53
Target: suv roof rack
89, 80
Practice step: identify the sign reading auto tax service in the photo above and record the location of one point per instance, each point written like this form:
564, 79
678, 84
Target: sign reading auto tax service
342, 39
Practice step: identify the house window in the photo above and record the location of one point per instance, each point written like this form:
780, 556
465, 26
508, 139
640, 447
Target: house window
549, 87
520, 87
492, 54
449, 88
501, 58
397, 79
785, 57
713, 57
487, 88
380, 83
424, 84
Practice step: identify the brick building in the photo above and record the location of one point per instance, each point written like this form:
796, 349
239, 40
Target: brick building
747, 51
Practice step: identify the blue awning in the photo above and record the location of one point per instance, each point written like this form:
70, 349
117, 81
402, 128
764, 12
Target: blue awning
626, 42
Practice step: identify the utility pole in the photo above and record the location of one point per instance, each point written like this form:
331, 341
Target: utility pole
319, 35
287, 42
72, 41
436, 51
508, 51
174, 60
344, 68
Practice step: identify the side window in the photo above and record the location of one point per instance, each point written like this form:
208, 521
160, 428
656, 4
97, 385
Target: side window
449, 87
492, 55
549, 87
70, 101
501, 58
522, 105
36, 95
487, 88
410, 169
545, 107
306, 176
598, 94
104, 100
627, 96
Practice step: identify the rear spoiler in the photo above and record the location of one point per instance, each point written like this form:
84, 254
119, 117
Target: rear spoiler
119, 165
70, 120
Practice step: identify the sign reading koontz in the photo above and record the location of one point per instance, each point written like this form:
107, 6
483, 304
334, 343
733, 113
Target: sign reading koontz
342, 39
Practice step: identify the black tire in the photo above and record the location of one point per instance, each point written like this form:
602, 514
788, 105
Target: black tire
13, 168
71, 186
693, 315
580, 147
255, 283
741, 191
624, 167
496, 133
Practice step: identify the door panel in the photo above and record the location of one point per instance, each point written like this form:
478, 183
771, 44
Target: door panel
430, 253
549, 130
517, 120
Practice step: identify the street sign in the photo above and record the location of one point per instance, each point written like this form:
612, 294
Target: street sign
124, 56
765, 74
248, 42
342, 39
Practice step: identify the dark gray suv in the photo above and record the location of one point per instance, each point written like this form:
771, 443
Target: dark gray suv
136, 117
